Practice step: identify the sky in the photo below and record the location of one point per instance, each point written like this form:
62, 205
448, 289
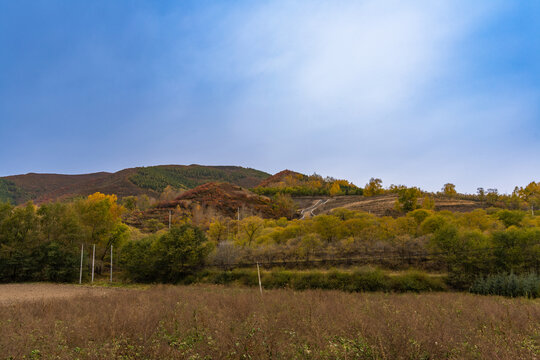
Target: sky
418, 93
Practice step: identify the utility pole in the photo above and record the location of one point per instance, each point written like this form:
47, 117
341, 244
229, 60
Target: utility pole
93, 260
238, 230
170, 217
80, 273
259, 274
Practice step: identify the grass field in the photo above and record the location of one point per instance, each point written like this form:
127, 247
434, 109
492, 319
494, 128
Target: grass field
213, 322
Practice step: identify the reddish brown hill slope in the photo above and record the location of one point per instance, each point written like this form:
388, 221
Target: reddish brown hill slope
282, 177
223, 199
134, 181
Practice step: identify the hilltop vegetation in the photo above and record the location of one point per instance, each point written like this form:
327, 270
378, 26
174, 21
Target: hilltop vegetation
9, 192
145, 181
157, 178
296, 184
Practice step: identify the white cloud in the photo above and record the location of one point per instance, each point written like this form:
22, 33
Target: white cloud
377, 85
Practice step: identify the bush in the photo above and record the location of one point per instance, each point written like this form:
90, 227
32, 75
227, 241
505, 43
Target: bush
169, 258
418, 282
510, 285
356, 281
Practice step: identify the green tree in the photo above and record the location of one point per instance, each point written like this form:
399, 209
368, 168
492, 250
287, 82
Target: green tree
408, 199
180, 252
510, 217
59, 223
19, 237
130, 202
492, 196
481, 193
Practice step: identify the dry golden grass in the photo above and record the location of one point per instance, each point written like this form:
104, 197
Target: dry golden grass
212, 322
15, 293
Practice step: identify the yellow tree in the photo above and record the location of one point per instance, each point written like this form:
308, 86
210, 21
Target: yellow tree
217, 231
100, 216
251, 227
428, 203
335, 189
327, 226
373, 187
449, 189
530, 194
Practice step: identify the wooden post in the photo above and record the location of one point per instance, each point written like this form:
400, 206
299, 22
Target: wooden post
111, 261
80, 272
259, 273
93, 261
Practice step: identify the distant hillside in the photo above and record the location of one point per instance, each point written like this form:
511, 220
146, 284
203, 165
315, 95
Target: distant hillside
134, 181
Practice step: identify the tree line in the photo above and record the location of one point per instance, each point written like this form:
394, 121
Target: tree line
43, 242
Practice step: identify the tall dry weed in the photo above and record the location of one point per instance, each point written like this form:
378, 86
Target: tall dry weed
213, 322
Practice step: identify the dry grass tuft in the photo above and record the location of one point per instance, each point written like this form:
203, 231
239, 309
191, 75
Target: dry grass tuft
213, 322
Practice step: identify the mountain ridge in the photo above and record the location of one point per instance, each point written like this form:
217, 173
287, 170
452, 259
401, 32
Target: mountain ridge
148, 180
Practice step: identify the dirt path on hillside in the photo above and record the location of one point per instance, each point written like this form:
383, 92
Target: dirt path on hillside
15, 293
308, 212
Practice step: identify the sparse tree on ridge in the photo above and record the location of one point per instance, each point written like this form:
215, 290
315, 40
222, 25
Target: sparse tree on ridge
449, 189
373, 187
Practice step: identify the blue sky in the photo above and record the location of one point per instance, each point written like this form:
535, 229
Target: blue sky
413, 92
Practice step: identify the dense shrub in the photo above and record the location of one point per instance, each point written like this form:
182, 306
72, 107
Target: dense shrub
352, 281
168, 258
510, 285
49, 261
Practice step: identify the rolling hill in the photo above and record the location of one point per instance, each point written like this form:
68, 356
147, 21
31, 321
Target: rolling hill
150, 180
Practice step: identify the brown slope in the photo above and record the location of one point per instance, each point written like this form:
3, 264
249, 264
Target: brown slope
38, 186
284, 177
49, 187
117, 183
224, 199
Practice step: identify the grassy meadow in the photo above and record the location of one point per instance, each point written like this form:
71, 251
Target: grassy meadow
216, 322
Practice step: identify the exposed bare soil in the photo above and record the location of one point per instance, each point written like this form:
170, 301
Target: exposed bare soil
379, 205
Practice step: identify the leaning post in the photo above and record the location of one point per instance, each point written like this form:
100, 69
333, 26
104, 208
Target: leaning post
80, 272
